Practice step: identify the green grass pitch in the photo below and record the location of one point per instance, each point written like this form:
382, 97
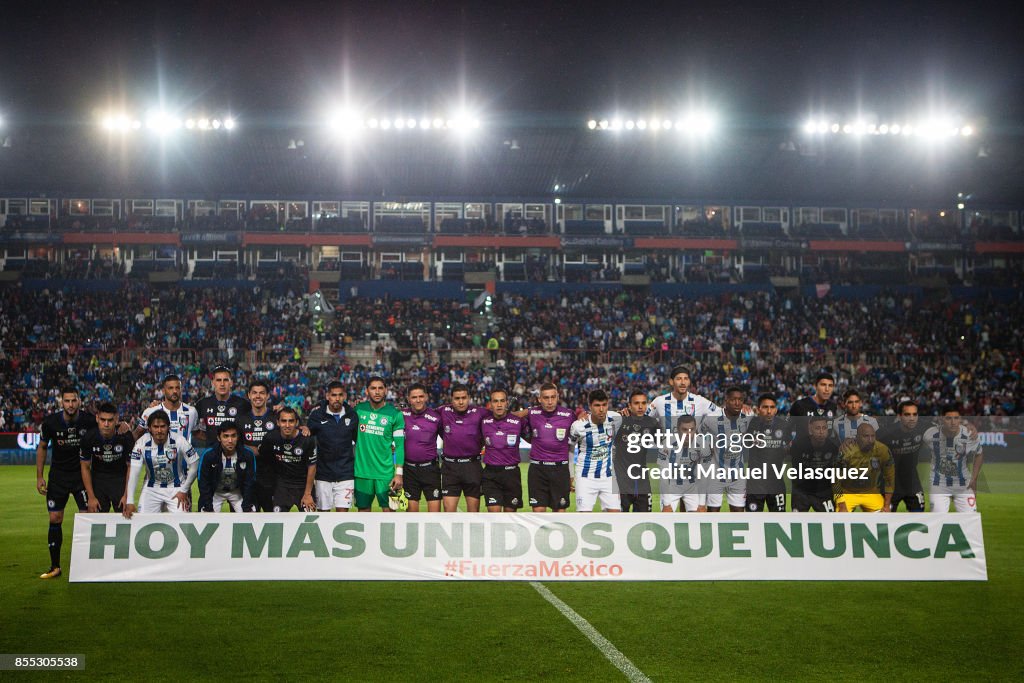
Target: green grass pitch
507, 631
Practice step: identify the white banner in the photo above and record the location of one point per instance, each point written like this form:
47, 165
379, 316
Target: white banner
528, 546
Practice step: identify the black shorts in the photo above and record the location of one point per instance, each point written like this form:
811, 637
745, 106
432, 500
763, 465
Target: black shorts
461, 477
60, 487
549, 485
286, 497
422, 479
502, 485
759, 502
109, 491
635, 502
805, 502
914, 502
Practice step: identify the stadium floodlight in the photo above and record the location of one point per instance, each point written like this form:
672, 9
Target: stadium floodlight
385, 124
967, 131
399, 123
437, 124
591, 124
216, 124
190, 123
883, 129
136, 124
834, 128
603, 124
630, 124
558, 200
666, 124
616, 124
895, 129
203, 123
960, 205
424, 124
655, 124
847, 128
641, 124
372, 123
229, 123
810, 127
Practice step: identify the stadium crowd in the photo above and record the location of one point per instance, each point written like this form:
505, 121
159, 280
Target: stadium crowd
117, 344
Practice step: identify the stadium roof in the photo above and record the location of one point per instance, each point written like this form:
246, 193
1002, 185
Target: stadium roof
514, 159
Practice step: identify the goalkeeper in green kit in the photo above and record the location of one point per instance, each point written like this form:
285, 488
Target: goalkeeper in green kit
380, 448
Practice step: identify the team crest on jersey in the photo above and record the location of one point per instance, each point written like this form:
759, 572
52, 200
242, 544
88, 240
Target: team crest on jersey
383, 421
81, 432
515, 501
241, 465
436, 493
348, 421
220, 409
560, 433
232, 411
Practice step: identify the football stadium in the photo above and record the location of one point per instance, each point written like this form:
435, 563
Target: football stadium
531, 343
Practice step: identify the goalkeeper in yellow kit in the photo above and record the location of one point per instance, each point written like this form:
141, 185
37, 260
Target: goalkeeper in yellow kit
871, 473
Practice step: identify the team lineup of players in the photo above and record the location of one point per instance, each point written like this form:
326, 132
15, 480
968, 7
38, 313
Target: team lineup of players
255, 457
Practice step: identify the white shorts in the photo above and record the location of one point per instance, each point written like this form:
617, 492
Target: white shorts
331, 495
590, 491
233, 498
691, 501
159, 500
736, 491
964, 500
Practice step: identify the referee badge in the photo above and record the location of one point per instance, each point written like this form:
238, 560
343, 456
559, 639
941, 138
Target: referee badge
510, 439
559, 433
874, 463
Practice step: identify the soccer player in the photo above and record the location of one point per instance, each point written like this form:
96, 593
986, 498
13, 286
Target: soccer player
222, 406
728, 426
634, 491
845, 426
593, 437
422, 426
813, 449
227, 472
255, 425
870, 459
104, 461
775, 431
951, 446
548, 480
687, 488
668, 407
292, 458
461, 472
502, 483
380, 448
821, 403
904, 438
64, 430
335, 427
184, 419
167, 460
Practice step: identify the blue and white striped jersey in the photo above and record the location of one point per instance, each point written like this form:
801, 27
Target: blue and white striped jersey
721, 427
593, 445
845, 427
950, 456
167, 464
668, 409
184, 419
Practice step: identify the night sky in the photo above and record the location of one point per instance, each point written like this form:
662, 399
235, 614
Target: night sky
266, 60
